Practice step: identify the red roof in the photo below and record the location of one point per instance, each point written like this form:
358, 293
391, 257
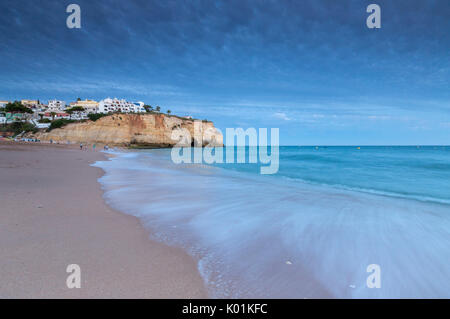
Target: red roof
56, 114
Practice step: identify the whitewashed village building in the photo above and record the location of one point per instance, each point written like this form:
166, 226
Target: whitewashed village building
56, 105
2, 118
109, 105
139, 107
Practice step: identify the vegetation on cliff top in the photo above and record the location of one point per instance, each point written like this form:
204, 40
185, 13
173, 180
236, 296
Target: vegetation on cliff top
95, 116
60, 123
18, 127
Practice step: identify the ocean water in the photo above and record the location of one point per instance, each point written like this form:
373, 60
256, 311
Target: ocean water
311, 230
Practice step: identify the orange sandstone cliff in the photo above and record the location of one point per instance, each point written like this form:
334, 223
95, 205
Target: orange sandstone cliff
146, 130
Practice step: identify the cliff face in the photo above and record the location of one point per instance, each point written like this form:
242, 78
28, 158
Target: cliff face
151, 130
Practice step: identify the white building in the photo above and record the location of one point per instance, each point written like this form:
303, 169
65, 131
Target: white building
56, 105
138, 107
40, 125
115, 105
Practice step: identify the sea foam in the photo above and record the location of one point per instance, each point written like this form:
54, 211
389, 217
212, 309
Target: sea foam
263, 236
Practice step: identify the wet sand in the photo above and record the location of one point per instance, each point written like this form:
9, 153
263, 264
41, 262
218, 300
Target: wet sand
52, 214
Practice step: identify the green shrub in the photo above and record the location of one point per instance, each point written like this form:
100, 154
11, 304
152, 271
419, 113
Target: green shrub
94, 117
18, 127
59, 123
28, 127
44, 121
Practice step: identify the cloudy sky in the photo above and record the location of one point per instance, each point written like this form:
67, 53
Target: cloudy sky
309, 67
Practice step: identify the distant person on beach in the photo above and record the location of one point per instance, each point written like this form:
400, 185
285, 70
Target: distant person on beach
81, 146
93, 147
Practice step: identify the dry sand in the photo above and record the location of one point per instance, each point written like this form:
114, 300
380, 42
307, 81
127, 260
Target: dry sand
52, 214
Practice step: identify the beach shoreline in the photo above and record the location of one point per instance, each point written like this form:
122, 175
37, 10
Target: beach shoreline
53, 215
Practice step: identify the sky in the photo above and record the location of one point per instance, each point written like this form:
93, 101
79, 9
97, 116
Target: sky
311, 68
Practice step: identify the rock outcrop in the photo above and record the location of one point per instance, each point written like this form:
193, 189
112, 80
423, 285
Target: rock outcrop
140, 130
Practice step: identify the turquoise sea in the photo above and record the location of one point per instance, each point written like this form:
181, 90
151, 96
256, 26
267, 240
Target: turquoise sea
310, 230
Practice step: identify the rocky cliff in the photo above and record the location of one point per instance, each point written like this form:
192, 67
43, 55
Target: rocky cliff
145, 130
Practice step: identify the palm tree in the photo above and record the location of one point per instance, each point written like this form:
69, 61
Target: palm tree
158, 109
169, 111
53, 115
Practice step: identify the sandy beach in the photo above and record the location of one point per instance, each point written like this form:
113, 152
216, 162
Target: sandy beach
53, 214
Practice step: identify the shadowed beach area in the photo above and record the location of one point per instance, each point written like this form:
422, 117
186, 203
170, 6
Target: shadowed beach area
53, 215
